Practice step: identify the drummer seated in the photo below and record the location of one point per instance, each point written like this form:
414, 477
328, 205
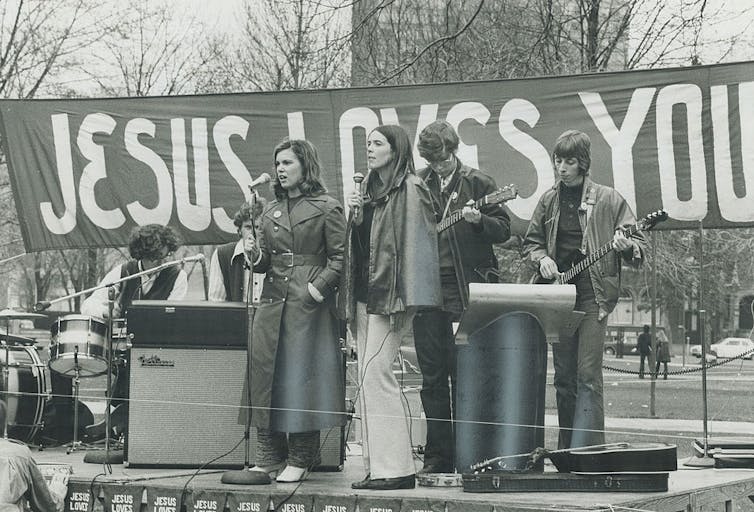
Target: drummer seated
149, 246
21, 482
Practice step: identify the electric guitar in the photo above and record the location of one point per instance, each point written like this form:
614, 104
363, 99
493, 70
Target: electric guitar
644, 224
501, 195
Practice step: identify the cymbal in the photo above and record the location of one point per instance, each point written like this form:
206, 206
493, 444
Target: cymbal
14, 339
10, 314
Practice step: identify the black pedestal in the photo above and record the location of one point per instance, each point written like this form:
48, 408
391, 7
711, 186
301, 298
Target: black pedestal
502, 375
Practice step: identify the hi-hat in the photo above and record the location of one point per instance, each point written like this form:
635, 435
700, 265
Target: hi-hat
14, 339
10, 314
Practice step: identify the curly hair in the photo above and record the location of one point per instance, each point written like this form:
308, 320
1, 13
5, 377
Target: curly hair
149, 241
248, 212
437, 141
306, 153
574, 144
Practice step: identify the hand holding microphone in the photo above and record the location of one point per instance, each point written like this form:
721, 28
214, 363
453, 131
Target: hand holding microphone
356, 199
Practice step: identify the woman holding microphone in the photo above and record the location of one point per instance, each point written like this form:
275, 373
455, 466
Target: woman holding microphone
393, 269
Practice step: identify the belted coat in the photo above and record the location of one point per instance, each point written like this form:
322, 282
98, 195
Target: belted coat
297, 382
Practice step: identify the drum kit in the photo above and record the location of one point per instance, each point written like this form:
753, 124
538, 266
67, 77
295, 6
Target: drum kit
78, 348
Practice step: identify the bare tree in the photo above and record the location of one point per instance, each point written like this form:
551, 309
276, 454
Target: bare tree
284, 45
41, 43
152, 50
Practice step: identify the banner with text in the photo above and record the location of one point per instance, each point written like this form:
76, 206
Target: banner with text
85, 172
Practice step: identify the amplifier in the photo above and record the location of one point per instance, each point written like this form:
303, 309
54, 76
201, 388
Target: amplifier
184, 408
167, 323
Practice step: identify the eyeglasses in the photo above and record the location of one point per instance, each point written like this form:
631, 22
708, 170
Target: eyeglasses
441, 164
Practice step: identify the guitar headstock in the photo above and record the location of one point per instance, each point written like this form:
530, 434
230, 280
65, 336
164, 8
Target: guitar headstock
651, 220
502, 195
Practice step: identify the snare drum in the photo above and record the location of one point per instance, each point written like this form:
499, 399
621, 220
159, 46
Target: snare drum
79, 338
28, 391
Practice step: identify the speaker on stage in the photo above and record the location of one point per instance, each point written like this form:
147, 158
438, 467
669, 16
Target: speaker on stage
184, 410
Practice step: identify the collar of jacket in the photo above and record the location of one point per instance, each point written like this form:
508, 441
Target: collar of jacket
306, 208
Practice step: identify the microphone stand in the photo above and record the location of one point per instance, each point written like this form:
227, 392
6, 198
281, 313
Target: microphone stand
245, 476
6, 375
116, 457
41, 306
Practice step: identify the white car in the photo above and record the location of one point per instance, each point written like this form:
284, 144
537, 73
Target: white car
733, 347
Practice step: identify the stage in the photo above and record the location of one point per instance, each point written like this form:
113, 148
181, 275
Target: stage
162, 490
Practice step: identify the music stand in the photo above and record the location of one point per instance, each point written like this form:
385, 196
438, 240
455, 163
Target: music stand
502, 369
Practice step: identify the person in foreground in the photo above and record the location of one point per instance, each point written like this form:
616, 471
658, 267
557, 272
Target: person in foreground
466, 255
21, 482
573, 219
393, 270
297, 384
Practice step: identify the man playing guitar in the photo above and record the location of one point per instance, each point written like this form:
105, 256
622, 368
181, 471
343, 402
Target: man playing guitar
573, 219
466, 255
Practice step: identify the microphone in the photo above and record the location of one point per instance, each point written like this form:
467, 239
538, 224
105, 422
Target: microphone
262, 179
41, 306
198, 257
358, 178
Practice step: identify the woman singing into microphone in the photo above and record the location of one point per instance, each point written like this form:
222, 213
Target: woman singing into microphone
297, 383
394, 262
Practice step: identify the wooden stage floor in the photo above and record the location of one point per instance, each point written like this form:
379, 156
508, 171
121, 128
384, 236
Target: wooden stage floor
689, 490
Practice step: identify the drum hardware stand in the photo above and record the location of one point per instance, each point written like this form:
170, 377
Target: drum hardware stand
245, 476
109, 457
75, 443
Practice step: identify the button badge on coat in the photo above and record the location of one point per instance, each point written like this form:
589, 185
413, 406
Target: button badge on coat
277, 214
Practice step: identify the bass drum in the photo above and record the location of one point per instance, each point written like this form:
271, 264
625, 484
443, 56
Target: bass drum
28, 391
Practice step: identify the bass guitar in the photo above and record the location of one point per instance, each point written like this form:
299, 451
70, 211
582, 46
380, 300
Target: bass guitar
499, 196
645, 224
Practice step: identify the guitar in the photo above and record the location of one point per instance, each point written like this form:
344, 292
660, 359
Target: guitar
501, 195
605, 458
644, 224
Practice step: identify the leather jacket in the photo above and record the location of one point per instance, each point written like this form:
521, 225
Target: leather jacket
403, 266
474, 260
602, 211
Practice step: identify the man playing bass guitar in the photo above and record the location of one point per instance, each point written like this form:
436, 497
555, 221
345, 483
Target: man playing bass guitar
572, 219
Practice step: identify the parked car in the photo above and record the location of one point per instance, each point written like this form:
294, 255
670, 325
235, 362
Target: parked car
733, 347
629, 334
696, 351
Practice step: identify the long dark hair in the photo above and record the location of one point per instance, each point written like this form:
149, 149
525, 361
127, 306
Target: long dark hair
309, 160
403, 161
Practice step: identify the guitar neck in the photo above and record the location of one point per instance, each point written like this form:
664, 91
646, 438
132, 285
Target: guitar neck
456, 216
593, 258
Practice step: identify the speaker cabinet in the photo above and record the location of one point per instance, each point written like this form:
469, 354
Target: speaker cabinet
184, 408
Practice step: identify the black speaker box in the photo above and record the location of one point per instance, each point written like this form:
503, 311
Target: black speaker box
184, 410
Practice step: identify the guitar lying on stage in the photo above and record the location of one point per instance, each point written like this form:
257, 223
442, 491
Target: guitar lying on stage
645, 224
501, 195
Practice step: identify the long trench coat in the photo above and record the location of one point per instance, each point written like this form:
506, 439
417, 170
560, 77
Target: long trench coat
297, 380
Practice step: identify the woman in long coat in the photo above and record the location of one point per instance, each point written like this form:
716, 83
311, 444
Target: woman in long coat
297, 386
393, 271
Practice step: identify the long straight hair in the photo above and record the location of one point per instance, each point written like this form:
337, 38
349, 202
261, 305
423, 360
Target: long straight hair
402, 162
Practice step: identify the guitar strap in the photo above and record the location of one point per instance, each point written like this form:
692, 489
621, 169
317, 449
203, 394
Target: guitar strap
590, 199
453, 195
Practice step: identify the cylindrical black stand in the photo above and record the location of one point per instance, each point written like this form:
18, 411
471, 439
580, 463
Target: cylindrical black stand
502, 375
